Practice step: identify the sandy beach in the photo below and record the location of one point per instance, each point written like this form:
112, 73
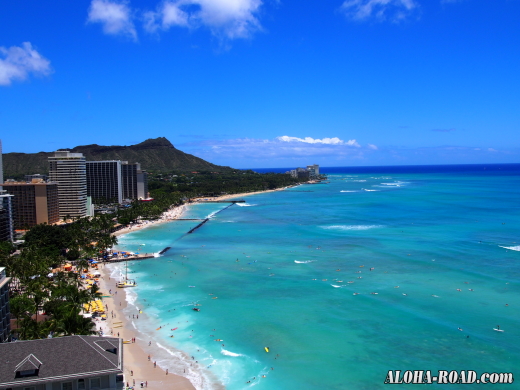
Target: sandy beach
137, 367
168, 216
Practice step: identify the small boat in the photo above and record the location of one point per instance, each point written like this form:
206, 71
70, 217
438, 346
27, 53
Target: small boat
126, 282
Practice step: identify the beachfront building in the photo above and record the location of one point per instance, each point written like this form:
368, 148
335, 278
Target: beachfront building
62, 363
1, 167
104, 181
314, 171
311, 172
69, 171
5, 316
135, 181
33, 203
6, 217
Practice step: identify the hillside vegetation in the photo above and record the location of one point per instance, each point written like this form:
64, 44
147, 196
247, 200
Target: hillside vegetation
153, 154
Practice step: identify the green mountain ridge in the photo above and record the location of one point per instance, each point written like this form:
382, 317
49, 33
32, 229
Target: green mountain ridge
156, 154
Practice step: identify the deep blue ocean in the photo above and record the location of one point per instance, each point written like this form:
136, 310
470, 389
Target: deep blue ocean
380, 268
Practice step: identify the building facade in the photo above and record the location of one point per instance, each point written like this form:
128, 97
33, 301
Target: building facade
104, 181
69, 171
134, 180
1, 167
314, 170
5, 316
33, 203
6, 217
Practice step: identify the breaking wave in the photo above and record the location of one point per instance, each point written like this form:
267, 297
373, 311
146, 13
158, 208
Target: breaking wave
513, 248
351, 227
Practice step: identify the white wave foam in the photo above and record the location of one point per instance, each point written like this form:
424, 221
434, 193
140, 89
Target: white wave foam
348, 191
333, 285
304, 262
369, 190
358, 181
513, 248
211, 215
351, 227
194, 374
245, 204
229, 353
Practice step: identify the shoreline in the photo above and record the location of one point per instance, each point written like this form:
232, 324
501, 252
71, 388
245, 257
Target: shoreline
176, 212
136, 354
136, 365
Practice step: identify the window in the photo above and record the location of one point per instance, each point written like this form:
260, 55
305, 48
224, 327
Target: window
27, 373
81, 384
95, 383
28, 388
66, 386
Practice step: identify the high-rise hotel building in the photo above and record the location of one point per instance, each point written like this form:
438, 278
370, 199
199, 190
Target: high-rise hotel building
69, 171
1, 167
104, 181
6, 209
33, 203
5, 326
135, 181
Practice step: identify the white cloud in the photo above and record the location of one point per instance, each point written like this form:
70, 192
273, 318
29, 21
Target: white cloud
279, 148
116, 17
394, 10
328, 141
167, 15
18, 62
373, 147
228, 19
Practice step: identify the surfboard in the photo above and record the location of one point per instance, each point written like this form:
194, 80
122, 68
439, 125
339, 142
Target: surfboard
497, 330
266, 349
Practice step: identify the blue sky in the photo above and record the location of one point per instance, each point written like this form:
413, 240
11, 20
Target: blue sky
266, 83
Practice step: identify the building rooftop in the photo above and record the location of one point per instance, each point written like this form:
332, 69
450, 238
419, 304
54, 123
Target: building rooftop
23, 363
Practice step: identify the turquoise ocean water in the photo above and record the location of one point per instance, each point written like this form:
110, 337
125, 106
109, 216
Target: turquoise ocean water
342, 281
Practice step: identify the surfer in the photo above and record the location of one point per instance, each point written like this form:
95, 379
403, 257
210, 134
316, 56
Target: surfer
498, 327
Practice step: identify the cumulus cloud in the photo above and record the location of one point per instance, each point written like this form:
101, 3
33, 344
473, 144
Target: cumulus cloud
393, 10
17, 62
225, 18
114, 16
309, 140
